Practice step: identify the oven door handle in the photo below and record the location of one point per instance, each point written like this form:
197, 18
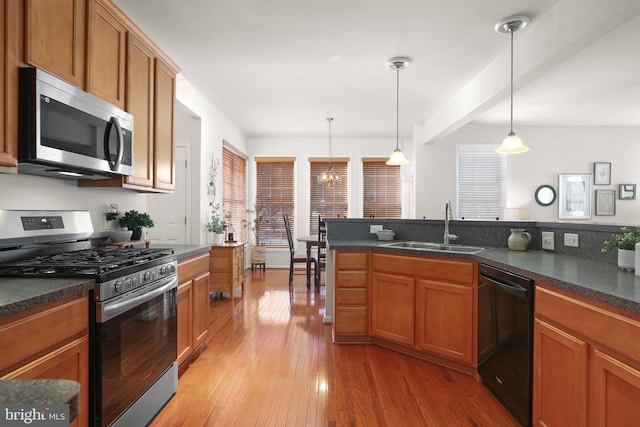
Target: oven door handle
109, 310
506, 285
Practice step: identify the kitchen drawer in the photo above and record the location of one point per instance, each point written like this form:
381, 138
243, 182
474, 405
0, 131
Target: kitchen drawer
351, 261
192, 267
445, 269
351, 279
351, 297
350, 320
606, 328
29, 335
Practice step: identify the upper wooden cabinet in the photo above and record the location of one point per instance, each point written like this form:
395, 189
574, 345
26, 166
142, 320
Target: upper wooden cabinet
106, 35
125, 68
9, 86
54, 32
165, 95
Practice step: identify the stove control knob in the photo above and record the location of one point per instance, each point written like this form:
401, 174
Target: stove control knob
118, 286
146, 276
172, 268
164, 270
128, 284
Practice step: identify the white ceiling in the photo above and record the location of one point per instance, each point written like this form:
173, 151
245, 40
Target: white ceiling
280, 67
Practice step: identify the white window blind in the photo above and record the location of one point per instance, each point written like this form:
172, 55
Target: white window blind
327, 202
381, 189
234, 191
481, 182
275, 192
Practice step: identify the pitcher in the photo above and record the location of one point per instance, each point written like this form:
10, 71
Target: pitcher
519, 239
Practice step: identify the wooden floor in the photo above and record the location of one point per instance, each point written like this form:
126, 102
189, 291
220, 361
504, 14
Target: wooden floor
270, 361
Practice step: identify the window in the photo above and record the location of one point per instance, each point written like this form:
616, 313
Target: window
275, 191
381, 189
481, 182
327, 202
234, 190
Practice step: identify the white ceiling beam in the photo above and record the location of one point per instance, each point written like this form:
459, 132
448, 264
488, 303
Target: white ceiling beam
568, 27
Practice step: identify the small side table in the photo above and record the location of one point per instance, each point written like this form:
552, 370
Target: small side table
258, 265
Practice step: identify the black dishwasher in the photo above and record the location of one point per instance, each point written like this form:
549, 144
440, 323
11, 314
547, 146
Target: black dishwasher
505, 338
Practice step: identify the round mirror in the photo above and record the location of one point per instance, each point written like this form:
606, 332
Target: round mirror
545, 195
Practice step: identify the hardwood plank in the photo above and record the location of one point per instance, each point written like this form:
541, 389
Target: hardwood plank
269, 361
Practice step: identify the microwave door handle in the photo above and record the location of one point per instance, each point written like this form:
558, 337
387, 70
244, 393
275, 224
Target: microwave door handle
113, 121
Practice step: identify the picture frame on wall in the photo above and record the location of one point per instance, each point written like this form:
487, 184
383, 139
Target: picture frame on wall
605, 202
602, 173
574, 201
627, 192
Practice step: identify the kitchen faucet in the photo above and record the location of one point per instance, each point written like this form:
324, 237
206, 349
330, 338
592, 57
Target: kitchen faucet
448, 215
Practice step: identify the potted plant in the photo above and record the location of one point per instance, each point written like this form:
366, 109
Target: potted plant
625, 242
134, 220
258, 251
217, 226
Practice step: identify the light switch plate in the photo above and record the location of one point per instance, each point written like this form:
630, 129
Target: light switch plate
547, 240
571, 240
375, 228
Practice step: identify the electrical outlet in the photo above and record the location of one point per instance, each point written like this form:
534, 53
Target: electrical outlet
375, 228
571, 240
547, 240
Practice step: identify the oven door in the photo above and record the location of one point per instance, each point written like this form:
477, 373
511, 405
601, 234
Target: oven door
135, 344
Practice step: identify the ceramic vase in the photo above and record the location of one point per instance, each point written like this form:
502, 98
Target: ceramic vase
218, 239
627, 259
519, 239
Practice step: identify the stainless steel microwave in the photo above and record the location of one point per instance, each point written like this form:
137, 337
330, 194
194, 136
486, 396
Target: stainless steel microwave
64, 132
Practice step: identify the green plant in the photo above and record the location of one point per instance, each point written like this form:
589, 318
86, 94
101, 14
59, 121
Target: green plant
217, 224
627, 240
258, 220
133, 219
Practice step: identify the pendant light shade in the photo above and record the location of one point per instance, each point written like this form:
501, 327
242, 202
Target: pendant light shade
512, 144
329, 177
397, 157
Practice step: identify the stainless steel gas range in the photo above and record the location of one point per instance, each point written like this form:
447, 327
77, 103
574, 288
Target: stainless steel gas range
133, 310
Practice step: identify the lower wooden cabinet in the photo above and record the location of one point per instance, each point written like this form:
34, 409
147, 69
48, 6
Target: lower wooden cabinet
444, 319
50, 342
586, 362
393, 307
226, 264
193, 305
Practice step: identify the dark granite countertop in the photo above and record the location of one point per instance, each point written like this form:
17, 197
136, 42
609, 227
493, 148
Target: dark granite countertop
596, 280
41, 392
19, 294
184, 251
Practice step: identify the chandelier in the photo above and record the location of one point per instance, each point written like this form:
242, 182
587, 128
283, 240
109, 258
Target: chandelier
329, 177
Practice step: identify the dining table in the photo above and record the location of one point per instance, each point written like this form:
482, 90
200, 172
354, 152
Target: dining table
310, 241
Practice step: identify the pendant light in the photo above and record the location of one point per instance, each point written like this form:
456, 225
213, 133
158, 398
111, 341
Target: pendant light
397, 157
329, 178
512, 144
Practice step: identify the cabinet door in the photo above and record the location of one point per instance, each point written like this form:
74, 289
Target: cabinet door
106, 55
614, 391
560, 363
444, 319
55, 37
200, 308
8, 86
163, 126
139, 103
392, 307
185, 321
69, 362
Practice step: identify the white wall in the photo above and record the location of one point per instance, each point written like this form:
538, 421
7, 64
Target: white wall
215, 127
553, 151
39, 193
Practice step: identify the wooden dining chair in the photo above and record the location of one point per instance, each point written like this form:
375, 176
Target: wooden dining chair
321, 255
293, 257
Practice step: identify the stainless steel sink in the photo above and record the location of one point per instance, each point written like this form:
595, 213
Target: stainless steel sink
436, 247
